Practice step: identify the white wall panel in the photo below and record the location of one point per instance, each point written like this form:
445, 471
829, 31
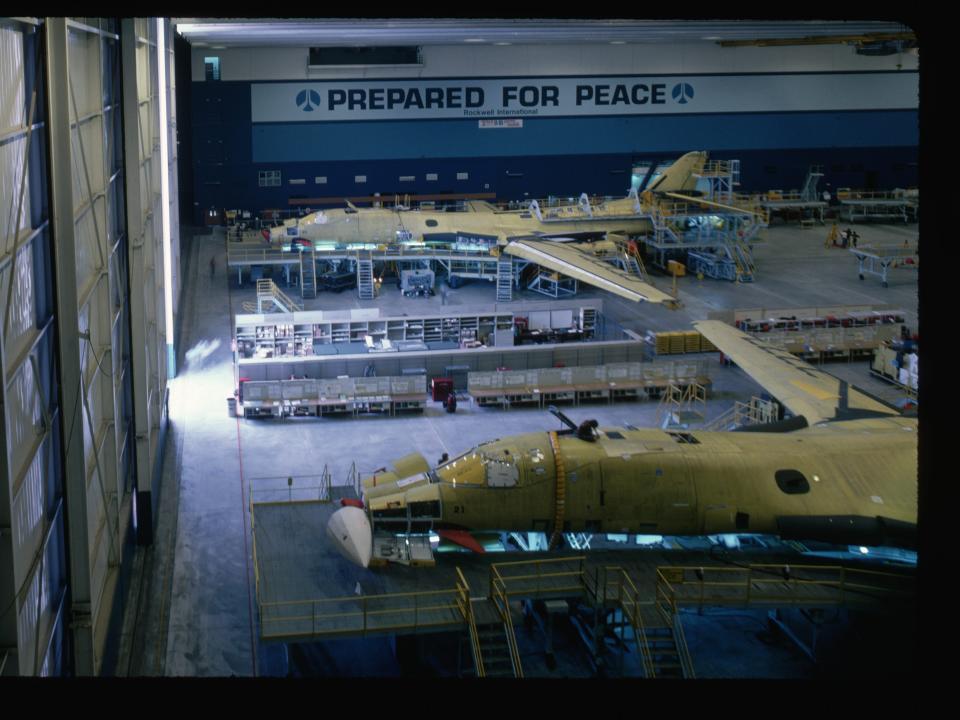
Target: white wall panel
11, 169
27, 620
91, 132
144, 84
12, 100
27, 517
87, 256
24, 425
84, 57
576, 59
22, 330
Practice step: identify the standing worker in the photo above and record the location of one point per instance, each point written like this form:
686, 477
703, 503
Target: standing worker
213, 266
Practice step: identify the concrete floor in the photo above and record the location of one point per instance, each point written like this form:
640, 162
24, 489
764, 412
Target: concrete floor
191, 609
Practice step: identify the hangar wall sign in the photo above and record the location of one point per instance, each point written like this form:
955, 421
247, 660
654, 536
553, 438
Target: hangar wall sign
483, 98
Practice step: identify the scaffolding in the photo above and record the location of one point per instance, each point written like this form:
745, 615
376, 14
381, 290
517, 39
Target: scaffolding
716, 235
681, 404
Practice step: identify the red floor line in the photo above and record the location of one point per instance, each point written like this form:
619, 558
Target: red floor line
253, 644
243, 508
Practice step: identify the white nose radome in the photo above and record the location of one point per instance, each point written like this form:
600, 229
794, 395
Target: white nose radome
349, 529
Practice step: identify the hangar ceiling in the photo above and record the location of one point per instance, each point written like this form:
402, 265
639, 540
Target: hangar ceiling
347, 32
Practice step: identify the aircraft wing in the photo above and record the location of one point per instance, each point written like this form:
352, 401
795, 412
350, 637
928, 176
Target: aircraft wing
708, 203
481, 206
801, 388
569, 260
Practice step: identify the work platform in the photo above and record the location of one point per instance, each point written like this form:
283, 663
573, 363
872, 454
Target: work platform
795, 208
879, 260
871, 205
306, 591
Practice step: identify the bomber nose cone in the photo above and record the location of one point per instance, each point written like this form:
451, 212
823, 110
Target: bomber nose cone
349, 529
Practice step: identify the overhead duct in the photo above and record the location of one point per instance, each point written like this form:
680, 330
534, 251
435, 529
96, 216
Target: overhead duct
353, 57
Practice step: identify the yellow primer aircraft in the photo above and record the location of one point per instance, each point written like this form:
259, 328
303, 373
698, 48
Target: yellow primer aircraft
523, 233
846, 473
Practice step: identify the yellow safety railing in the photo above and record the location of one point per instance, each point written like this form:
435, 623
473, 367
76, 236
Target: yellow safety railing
625, 593
361, 614
465, 606
282, 489
683, 652
502, 603
666, 604
776, 585
542, 582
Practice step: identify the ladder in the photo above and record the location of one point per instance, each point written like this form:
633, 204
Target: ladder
308, 274
809, 192
269, 295
664, 653
365, 287
680, 404
492, 644
666, 641
632, 264
504, 278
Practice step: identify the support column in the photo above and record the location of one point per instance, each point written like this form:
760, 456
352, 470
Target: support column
136, 216
68, 332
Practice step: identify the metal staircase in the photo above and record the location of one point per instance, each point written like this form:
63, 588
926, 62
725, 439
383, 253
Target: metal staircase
365, 287
667, 657
504, 278
679, 405
493, 645
757, 411
490, 628
633, 265
809, 192
308, 274
269, 296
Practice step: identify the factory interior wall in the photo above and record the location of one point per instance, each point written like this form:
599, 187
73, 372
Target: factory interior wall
559, 156
84, 398
34, 572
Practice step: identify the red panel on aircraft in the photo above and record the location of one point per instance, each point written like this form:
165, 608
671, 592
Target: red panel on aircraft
462, 538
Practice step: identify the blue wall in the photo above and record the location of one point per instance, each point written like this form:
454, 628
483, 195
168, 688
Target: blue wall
548, 156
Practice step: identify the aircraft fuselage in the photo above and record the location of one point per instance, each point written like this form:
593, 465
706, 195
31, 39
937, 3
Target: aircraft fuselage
656, 482
382, 226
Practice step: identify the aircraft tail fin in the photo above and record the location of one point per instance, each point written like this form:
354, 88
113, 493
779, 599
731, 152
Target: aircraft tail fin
682, 175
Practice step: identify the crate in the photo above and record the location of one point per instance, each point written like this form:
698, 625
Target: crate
663, 343
677, 342
691, 341
706, 345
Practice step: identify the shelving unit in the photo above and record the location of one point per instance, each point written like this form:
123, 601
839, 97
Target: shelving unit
300, 334
312, 397
611, 382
